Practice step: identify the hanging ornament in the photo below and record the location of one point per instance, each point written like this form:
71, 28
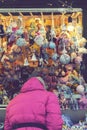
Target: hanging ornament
78, 59
52, 45
34, 61
9, 29
82, 42
54, 56
73, 56
45, 45
14, 26
52, 33
39, 40
33, 57
65, 59
70, 27
63, 27
79, 29
64, 50
16, 50
12, 38
80, 89
20, 42
26, 63
19, 32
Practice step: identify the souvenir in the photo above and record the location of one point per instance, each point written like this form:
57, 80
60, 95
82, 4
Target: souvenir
33, 62
54, 56
52, 45
39, 40
21, 42
64, 59
80, 89
26, 63
19, 32
78, 59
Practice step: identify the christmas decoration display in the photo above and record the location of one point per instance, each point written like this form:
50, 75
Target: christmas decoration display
46, 45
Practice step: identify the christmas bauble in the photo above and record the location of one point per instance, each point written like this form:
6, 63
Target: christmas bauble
52, 45
82, 42
78, 59
19, 32
21, 42
39, 40
45, 45
73, 55
80, 89
55, 56
64, 58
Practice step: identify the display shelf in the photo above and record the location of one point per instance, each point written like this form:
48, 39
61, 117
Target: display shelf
75, 115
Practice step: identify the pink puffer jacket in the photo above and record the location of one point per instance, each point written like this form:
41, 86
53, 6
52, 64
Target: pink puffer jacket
34, 104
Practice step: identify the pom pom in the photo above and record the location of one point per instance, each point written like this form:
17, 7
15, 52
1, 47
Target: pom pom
21, 42
64, 58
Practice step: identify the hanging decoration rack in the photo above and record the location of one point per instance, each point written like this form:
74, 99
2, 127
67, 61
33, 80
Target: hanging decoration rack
44, 10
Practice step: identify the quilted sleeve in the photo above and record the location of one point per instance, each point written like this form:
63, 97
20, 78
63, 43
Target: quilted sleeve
53, 114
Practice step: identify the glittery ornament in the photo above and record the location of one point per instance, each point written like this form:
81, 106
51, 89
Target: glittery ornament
64, 58
19, 32
52, 45
21, 42
80, 89
55, 56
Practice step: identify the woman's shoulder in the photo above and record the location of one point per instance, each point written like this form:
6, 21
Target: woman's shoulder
51, 96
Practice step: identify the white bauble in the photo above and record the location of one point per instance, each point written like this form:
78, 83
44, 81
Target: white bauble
80, 89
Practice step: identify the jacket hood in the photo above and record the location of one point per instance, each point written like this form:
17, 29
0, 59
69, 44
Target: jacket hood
32, 84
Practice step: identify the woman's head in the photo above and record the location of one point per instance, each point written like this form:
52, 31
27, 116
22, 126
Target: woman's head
42, 82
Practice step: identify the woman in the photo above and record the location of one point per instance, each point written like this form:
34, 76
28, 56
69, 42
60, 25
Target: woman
34, 108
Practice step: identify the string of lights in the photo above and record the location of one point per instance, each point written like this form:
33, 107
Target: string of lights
65, 4
45, 3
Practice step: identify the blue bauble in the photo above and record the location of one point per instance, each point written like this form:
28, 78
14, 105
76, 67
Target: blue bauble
46, 56
64, 58
45, 45
55, 56
21, 42
52, 45
19, 32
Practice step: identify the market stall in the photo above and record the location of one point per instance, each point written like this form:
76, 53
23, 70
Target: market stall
47, 43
